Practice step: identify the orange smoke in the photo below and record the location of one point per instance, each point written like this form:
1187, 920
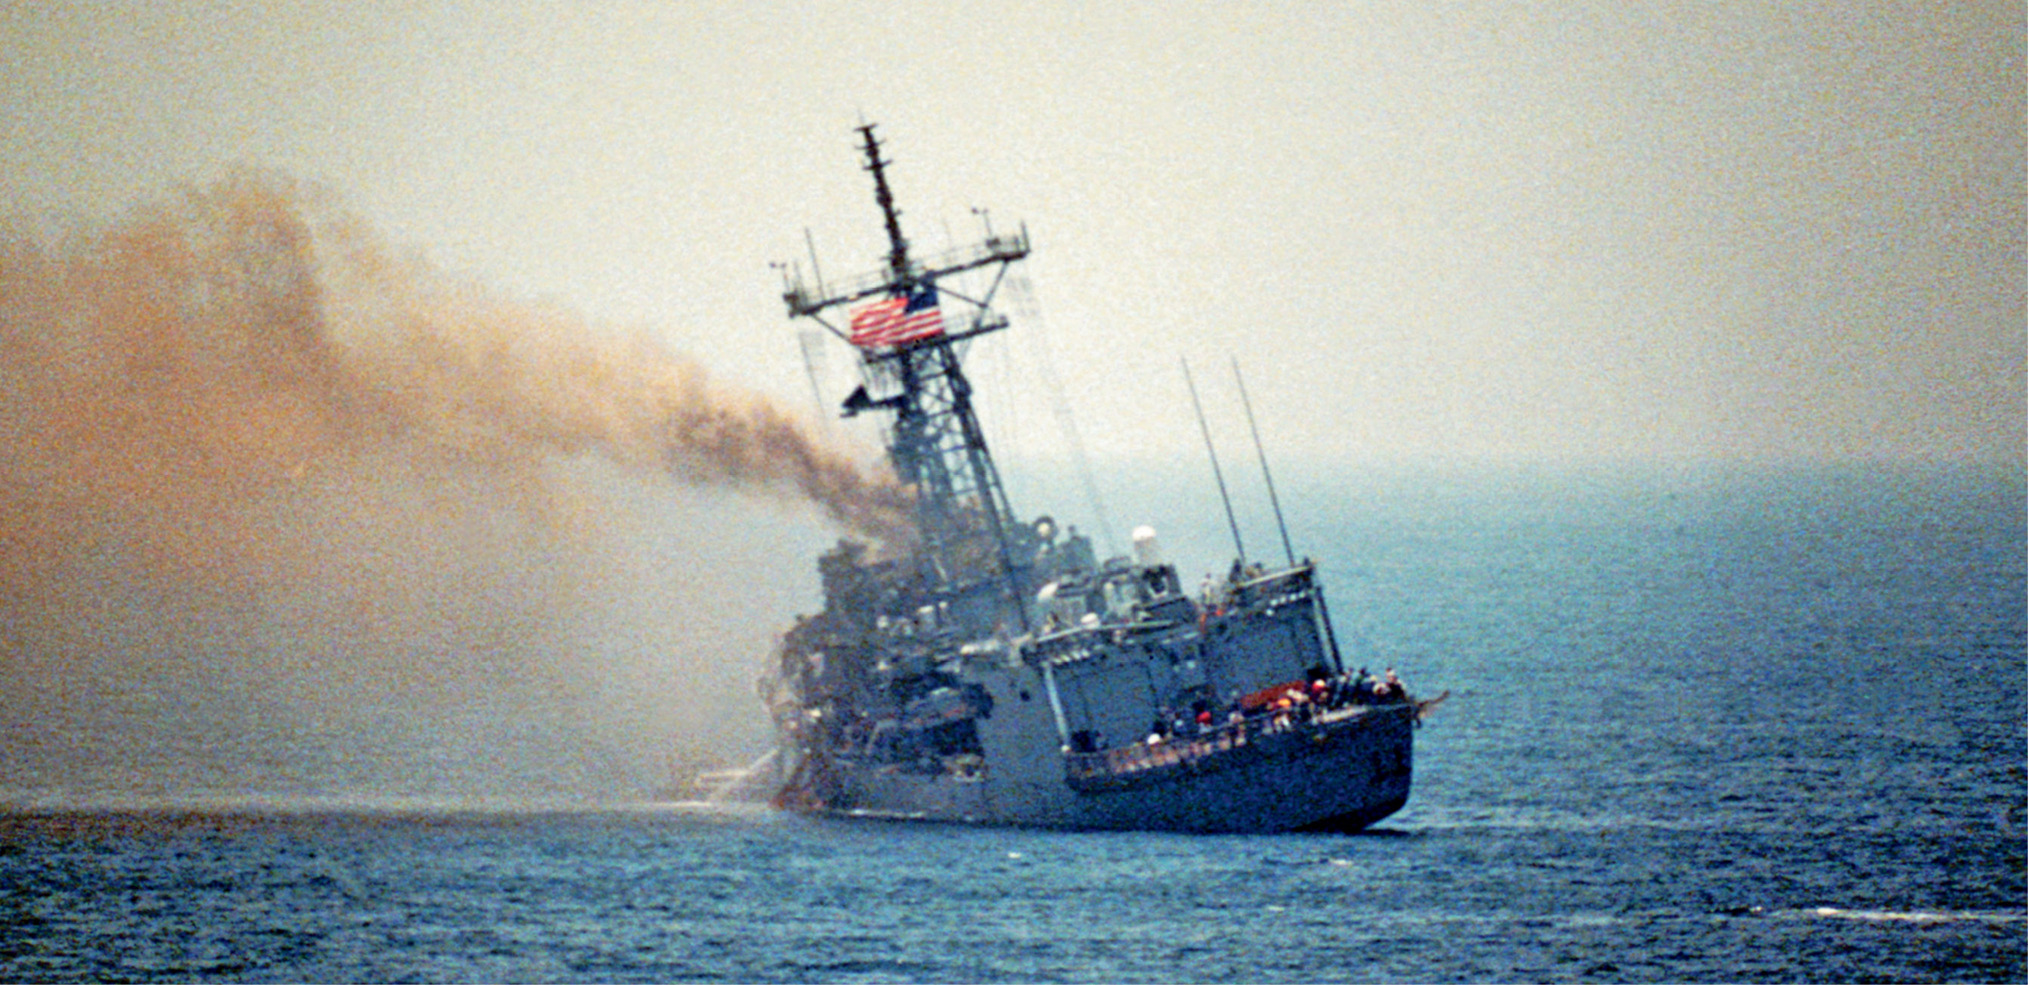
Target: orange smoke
252, 469
219, 348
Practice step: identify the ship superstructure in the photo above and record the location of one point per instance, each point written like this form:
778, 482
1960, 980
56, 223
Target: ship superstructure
996, 671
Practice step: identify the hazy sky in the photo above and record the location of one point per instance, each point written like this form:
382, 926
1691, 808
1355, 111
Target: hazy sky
1427, 230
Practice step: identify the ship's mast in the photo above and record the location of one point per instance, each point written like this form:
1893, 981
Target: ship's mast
934, 440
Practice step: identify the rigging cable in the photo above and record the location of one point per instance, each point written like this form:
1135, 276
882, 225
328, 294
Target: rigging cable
1022, 293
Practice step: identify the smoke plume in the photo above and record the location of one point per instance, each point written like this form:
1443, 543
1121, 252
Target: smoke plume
285, 510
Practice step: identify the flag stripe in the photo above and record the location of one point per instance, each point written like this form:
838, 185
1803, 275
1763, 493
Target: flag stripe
897, 319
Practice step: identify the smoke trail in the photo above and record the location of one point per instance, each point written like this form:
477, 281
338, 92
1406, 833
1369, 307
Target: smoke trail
267, 482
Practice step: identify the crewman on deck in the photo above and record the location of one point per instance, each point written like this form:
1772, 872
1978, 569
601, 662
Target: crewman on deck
1390, 688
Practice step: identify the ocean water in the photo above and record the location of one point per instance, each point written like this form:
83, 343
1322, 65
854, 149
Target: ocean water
1750, 726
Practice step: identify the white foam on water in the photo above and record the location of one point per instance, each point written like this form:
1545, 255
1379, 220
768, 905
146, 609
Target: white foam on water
1921, 916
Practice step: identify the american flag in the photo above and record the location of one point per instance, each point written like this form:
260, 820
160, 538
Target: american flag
897, 319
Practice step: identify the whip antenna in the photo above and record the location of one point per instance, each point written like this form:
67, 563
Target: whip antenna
1265, 474
1216, 472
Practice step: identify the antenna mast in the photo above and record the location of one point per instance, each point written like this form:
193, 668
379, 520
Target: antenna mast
934, 439
897, 250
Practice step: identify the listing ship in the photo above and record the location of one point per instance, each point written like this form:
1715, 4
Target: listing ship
994, 671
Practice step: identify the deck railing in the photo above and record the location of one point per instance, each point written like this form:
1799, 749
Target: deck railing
1210, 747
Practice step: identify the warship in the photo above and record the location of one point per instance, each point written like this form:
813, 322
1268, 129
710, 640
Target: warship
993, 671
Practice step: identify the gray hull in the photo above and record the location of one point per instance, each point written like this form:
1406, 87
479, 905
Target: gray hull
1340, 773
